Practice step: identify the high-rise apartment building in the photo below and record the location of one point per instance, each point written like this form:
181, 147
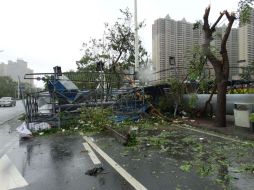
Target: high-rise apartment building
173, 43
16, 70
232, 49
246, 42
3, 69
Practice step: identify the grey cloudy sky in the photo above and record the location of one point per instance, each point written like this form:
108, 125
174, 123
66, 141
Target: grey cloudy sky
46, 33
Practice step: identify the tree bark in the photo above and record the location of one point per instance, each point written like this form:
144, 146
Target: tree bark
221, 66
221, 104
208, 102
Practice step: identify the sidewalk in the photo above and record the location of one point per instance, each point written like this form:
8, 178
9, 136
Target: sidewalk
231, 129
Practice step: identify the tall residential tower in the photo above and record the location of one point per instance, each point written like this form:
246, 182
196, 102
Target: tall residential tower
172, 44
246, 42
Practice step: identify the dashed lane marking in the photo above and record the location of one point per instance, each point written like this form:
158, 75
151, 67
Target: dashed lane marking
136, 184
92, 155
10, 177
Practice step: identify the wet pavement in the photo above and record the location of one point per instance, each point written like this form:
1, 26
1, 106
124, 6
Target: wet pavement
58, 161
156, 171
7, 113
55, 162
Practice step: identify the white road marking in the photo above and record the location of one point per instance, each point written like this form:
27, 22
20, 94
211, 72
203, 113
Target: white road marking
136, 184
188, 127
92, 155
10, 177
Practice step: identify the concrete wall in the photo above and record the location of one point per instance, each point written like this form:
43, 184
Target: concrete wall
231, 99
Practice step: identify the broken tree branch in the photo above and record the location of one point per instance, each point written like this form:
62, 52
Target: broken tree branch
217, 21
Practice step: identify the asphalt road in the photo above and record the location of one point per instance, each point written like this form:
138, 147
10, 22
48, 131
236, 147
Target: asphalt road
59, 162
7, 113
56, 162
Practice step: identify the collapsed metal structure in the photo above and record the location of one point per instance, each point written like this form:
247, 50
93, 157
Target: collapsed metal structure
66, 93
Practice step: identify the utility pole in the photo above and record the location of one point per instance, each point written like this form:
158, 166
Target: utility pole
18, 90
136, 36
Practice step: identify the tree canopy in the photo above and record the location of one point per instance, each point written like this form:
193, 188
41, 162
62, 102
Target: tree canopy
115, 48
8, 86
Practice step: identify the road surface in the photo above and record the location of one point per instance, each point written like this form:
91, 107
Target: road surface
59, 162
7, 113
54, 162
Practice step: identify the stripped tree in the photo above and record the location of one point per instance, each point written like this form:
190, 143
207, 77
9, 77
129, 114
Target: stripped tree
221, 65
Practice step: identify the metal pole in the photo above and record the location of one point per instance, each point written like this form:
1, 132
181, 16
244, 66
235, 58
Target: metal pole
18, 89
136, 36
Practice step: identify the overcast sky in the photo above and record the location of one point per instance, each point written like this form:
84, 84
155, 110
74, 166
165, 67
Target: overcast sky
46, 33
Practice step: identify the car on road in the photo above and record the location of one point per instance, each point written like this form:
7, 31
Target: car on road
7, 101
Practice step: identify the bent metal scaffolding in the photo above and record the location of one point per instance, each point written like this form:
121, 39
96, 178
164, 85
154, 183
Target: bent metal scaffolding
69, 91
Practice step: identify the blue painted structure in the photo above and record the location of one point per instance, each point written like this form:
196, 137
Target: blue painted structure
65, 89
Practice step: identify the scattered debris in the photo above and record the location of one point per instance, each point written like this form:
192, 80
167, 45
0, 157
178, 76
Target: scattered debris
163, 149
23, 131
95, 171
41, 133
177, 121
203, 140
186, 166
34, 127
183, 114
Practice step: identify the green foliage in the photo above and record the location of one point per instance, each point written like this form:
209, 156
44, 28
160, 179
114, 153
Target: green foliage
186, 166
247, 72
132, 139
8, 86
193, 101
216, 159
94, 119
166, 104
252, 117
205, 85
249, 167
116, 48
196, 67
196, 25
244, 11
22, 117
68, 121
177, 88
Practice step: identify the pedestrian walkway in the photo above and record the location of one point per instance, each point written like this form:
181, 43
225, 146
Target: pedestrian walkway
231, 129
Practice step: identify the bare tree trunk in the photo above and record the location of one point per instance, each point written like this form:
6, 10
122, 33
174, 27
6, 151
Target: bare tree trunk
221, 66
208, 102
221, 104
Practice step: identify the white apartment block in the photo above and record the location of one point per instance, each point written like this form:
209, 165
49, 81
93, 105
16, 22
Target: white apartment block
232, 48
173, 42
3, 69
246, 43
16, 70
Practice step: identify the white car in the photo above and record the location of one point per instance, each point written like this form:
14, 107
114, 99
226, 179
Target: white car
7, 101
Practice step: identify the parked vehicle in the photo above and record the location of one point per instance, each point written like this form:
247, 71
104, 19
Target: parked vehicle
7, 101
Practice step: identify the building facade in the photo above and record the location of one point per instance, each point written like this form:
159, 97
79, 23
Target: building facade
173, 43
16, 70
3, 69
246, 43
232, 49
